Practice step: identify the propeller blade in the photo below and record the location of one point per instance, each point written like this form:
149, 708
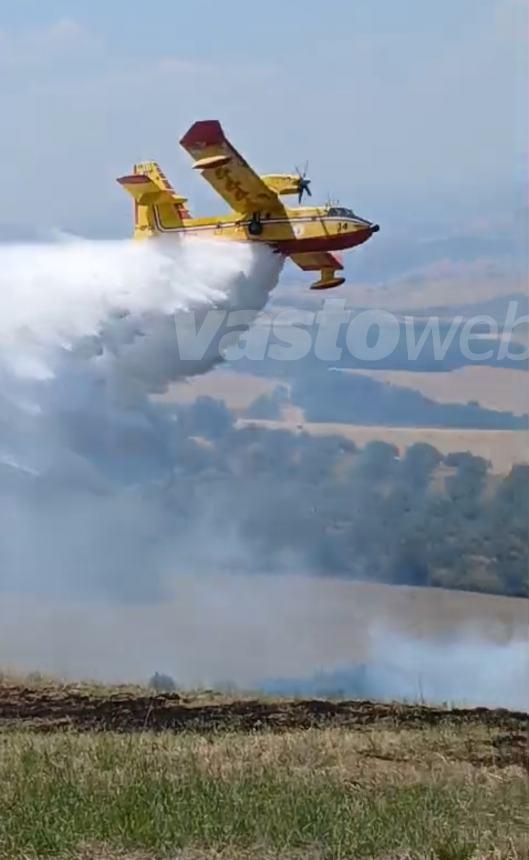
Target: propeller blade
304, 185
303, 182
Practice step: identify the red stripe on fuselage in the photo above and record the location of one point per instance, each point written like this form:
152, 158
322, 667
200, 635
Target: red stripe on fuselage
323, 243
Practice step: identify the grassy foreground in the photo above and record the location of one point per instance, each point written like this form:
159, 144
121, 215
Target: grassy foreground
321, 793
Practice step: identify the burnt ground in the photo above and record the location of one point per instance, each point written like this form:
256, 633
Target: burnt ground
47, 708
56, 708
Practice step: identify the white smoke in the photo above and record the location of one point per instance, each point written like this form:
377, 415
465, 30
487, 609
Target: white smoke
88, 331
89, 493
290, 635
462, 669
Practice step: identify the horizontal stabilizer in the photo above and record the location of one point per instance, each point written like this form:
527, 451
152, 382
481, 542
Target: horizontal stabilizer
146, 192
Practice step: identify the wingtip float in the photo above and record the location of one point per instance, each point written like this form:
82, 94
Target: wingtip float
312, 236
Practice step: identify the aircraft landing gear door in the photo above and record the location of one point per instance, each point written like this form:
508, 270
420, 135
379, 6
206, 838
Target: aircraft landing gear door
255, 227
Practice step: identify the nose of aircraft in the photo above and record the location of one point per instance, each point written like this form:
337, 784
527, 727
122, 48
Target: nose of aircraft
375, 228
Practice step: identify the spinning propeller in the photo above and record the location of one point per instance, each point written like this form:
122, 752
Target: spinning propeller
303, 182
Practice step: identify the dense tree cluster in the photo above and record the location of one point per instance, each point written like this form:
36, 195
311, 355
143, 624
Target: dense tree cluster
322, 505
187, 489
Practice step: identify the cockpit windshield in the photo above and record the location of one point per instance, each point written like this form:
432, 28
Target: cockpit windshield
341, 212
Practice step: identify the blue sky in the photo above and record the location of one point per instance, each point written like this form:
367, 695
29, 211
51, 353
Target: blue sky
409, 110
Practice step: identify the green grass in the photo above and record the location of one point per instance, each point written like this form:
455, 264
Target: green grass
319, 791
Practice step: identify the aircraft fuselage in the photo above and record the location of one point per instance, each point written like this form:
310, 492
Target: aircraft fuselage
302, 229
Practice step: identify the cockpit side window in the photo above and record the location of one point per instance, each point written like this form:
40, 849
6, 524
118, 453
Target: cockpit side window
340, 211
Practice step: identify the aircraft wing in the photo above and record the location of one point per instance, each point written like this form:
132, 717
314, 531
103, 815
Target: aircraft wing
316, 261
227, 171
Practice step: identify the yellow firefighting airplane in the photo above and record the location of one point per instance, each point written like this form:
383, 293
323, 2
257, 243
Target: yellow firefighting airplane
310, 235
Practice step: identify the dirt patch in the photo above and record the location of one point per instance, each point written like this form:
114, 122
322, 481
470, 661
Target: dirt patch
51, 709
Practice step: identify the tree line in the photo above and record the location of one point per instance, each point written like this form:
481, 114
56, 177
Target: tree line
326, 506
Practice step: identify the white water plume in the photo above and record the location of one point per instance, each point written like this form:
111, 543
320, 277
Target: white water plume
88, 330
81, 320
55, 296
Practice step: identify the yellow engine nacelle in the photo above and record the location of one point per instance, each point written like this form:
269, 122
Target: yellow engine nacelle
282, 183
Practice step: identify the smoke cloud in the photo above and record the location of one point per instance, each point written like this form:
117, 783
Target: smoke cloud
88, 331
117, 527
468, 670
